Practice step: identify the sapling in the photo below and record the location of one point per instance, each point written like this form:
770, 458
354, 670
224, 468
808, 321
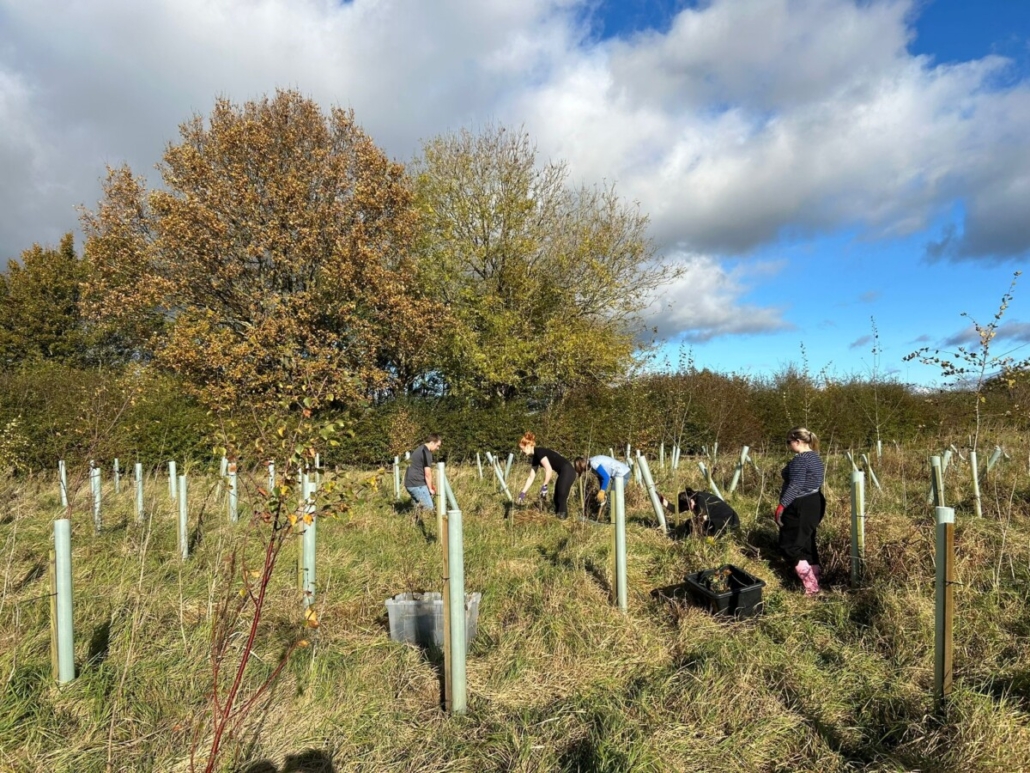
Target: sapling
719, 580
275, 515
971, 368
884, 408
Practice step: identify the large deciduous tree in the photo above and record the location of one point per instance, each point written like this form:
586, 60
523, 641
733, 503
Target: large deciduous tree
276, 254
543, 281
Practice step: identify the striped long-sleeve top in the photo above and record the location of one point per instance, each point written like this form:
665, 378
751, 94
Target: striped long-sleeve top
802, 475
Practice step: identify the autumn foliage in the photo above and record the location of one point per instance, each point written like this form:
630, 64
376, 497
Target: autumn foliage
275, 254
283, 261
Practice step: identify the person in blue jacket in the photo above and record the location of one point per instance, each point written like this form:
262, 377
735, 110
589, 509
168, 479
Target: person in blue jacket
605, 468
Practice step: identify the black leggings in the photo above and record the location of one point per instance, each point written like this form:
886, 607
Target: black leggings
797, 534
566, 477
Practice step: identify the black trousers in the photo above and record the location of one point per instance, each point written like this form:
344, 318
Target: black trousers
797, 534
562, 487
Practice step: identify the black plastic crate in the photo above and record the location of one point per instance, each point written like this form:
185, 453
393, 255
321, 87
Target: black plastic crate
741, 598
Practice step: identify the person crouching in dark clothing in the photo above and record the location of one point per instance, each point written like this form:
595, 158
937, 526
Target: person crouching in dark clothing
713, 514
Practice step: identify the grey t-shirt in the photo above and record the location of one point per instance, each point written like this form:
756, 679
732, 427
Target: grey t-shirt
415, 476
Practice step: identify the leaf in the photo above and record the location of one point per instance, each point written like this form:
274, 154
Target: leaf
279, 229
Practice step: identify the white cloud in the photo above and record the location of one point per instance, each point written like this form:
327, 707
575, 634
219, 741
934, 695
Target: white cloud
755, 118
745, 121
768, 54
703, 302
109, 81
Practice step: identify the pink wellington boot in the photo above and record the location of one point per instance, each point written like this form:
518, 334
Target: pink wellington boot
808, 578
817, 571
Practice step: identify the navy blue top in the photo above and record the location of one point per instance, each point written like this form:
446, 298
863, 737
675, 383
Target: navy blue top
802, 475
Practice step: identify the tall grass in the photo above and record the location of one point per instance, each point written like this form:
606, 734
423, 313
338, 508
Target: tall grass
559, 679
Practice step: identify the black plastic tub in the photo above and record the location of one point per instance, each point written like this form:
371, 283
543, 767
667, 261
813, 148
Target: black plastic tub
736, 593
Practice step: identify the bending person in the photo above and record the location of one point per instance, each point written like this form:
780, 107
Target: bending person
606, 468
801, 508
715, 514
553, 463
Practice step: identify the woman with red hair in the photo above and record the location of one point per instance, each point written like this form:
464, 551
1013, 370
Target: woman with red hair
553, 464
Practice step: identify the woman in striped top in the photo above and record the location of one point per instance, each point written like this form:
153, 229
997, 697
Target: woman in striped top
801, 507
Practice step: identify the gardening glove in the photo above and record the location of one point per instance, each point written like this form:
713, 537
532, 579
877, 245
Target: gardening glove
522, 496
778, 515
543, 490
601, 496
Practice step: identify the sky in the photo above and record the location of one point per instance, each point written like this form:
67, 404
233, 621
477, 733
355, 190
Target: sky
833, 183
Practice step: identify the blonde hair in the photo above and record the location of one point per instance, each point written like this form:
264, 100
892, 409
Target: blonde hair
805, 436
529, 439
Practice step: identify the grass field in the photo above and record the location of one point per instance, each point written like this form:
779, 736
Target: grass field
558, 678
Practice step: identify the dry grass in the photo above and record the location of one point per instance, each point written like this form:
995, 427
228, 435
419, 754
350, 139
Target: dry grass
559, 680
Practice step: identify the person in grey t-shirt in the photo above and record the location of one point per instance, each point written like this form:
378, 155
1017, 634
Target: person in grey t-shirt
418, 479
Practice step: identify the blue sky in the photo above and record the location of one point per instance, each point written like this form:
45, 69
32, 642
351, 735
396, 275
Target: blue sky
855, 303
810, 167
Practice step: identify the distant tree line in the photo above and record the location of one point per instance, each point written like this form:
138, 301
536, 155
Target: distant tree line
285, 261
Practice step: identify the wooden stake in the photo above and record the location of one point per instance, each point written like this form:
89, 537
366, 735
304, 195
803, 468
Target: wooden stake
442, 525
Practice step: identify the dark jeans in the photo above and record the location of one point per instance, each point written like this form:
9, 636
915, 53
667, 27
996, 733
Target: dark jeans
797, 534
